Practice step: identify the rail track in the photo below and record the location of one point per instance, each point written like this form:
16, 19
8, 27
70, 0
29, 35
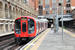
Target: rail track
15, 47
6, 41
71, 30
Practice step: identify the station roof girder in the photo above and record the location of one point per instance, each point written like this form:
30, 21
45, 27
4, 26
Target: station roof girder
59, 16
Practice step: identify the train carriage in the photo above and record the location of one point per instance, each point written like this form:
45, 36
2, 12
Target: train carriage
27, 27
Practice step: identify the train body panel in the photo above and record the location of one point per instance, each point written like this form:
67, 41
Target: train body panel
26, 27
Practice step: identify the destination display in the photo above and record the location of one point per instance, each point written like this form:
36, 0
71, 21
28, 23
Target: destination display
23, 18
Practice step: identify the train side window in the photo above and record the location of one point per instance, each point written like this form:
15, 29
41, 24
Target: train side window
30, 26
40, 25
37, 26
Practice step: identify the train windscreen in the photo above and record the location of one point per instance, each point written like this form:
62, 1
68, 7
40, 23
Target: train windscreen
17, 26
30, 26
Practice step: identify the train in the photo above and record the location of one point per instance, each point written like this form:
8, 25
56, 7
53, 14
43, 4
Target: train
27, 27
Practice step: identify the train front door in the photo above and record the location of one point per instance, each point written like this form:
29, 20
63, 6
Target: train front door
24, 30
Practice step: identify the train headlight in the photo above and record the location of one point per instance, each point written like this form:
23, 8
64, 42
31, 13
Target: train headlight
17, 32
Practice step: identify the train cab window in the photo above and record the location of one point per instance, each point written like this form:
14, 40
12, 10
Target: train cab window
30, 26
17, 26
24, 27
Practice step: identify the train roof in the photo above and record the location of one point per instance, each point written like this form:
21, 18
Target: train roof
24, 16
39, 20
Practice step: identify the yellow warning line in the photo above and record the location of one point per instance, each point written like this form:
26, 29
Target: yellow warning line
37, 44
71, 34
35, 40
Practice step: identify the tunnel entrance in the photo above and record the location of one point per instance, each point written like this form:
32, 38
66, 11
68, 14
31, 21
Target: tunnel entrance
49, 25
50, 21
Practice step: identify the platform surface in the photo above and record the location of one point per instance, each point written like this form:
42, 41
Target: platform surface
6, 33
53, 41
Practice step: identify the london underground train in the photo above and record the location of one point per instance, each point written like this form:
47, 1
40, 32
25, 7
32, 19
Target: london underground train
27, 27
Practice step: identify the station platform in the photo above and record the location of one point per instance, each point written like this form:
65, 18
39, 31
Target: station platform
48, 40
6, 33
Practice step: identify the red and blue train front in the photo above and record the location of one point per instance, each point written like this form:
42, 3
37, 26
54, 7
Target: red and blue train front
24, 28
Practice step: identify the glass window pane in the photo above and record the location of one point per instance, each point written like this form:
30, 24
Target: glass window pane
60, 0
17, 26
30, 26
47, 1
47, 6
47, 12
24, 27
54, 0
